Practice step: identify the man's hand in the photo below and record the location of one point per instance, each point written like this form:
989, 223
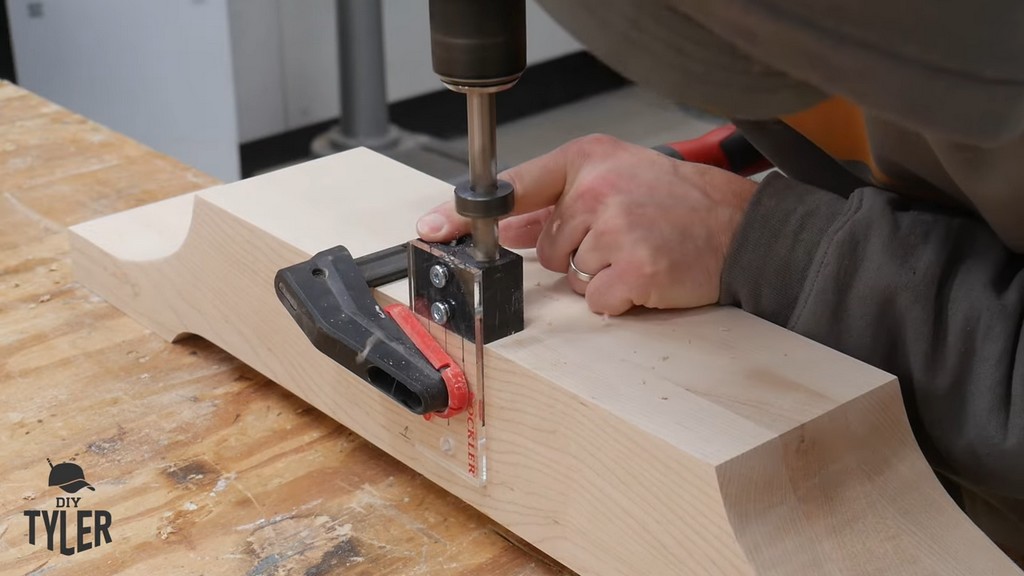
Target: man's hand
653, 230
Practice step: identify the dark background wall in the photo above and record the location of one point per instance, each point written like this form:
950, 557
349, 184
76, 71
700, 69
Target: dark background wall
6, 55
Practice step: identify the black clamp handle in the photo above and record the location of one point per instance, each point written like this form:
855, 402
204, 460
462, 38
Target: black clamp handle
332, 302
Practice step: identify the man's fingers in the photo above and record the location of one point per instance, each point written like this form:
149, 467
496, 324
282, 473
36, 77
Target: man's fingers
562, 234
566, 229
609, 292
522, 231
539, 182
590, 259
442, 224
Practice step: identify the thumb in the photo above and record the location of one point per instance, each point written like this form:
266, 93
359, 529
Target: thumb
442, 224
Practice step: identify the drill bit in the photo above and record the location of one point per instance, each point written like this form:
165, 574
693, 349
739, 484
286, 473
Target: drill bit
483, 167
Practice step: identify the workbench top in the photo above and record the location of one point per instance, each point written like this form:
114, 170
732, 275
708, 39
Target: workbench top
205, 466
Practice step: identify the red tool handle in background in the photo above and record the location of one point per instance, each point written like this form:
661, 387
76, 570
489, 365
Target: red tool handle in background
724, 147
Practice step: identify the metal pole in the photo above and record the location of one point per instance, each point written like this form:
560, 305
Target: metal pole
364, 107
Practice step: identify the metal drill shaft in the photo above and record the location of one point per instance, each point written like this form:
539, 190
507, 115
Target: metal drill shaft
483, 167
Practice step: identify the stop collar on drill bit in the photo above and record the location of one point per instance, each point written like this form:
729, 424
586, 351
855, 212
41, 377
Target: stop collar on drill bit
494, 203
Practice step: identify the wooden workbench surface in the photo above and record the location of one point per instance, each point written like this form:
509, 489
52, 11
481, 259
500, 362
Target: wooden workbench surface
205, 466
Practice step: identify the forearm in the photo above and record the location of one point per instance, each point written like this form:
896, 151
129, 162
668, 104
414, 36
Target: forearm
931, 296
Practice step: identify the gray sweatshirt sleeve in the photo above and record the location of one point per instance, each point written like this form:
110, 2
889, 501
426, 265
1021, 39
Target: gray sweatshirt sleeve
929, 295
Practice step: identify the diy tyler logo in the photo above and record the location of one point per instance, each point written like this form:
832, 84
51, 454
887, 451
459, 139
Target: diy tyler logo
91, 528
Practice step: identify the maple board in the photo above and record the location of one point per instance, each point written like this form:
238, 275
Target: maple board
668, 442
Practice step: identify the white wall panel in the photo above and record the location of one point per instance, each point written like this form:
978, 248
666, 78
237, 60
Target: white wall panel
256, 46
160, 72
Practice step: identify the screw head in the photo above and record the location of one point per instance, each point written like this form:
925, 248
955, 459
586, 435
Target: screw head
439, 275
440, 312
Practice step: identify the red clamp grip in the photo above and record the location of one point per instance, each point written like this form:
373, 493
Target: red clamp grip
724, 147
453, 376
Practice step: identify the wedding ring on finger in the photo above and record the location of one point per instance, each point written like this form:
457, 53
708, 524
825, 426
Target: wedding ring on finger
579, 274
